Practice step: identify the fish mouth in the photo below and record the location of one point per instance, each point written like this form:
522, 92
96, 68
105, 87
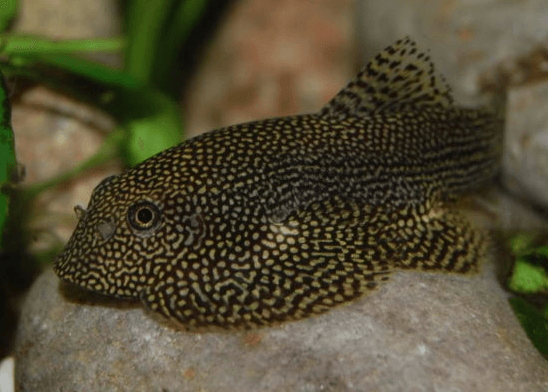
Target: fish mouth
65, 269
60, 265
70, 268
69, 272
77, 289
84, 272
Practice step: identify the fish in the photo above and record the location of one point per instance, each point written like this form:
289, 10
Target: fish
277, 220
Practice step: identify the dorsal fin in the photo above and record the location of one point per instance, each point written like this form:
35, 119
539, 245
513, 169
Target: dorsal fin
401, 76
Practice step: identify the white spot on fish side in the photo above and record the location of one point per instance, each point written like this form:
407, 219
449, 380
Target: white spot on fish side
277, 228
197, 289
280, 234
269, 244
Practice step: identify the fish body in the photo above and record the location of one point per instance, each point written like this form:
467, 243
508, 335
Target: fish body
280, 219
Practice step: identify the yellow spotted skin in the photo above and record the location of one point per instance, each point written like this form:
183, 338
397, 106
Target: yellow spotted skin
276, 220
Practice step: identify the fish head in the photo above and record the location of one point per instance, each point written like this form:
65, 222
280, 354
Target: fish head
121, 243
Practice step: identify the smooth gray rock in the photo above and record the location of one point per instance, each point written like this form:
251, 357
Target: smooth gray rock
419, 332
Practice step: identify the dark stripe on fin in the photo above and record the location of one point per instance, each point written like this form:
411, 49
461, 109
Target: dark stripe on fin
400, 77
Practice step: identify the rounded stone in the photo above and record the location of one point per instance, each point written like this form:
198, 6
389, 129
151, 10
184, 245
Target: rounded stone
419, 332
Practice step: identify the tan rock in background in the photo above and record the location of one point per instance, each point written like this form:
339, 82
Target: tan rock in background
272, 58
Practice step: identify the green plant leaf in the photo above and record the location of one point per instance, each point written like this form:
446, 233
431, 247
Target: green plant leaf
181, 22
8, 164
528, 278
156, 132
104, 77
8, 10
145, 21
529, 273
13, 45
152, 119
542, 251
534, 322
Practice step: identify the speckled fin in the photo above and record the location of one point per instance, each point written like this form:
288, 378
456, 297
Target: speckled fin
399, 77
443, 241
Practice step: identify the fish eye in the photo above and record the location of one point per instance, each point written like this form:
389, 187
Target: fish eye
143, 215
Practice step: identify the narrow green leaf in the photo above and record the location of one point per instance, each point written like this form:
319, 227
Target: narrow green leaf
180, 24
14, 45
145, 22
97, 72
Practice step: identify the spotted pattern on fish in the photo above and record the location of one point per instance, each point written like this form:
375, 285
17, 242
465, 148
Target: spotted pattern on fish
277, 220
